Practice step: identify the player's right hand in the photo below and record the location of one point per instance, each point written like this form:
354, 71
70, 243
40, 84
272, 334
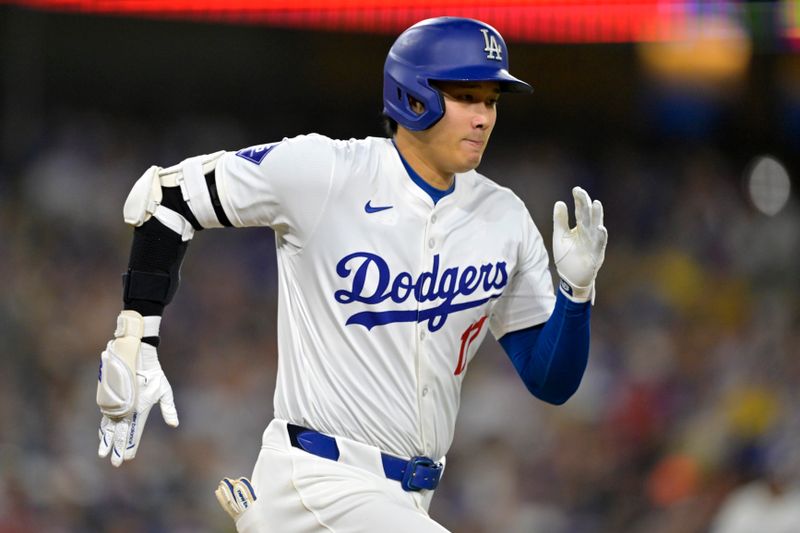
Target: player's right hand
130, 383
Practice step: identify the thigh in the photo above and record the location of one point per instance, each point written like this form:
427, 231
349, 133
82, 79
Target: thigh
347, 499
278, 507
387, 517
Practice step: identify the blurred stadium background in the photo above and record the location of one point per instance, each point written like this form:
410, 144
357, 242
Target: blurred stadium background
682, 116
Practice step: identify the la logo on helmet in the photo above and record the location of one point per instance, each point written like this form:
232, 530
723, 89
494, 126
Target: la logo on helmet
492, 49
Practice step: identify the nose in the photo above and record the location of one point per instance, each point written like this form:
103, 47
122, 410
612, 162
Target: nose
482, 117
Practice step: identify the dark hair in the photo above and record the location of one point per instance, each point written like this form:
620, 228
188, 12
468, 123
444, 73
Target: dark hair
389, 125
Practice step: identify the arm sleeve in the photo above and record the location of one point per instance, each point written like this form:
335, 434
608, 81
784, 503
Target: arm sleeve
551, 357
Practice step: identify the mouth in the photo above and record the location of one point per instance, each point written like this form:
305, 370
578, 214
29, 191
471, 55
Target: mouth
476, 144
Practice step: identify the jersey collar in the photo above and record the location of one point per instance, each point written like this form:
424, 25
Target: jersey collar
434, 193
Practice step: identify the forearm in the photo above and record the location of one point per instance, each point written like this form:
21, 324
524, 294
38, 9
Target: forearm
157, 252
551, 358
153, 271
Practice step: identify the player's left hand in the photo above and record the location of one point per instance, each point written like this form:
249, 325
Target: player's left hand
579, 252
131, 383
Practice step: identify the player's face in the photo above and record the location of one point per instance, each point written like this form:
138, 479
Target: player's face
456, 143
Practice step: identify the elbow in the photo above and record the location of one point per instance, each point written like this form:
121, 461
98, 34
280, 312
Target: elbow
556, 400
555, 395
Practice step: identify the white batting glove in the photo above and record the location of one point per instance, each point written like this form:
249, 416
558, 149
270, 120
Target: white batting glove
578, 253
130, 383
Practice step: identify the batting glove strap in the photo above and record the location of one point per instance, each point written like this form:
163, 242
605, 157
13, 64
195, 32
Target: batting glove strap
575, 293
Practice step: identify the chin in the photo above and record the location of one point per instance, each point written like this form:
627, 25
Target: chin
471, 164
465, 161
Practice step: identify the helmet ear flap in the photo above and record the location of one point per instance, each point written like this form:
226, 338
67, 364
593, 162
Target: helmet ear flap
399, 105
415, 105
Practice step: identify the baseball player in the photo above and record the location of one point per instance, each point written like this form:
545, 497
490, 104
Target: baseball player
395, 259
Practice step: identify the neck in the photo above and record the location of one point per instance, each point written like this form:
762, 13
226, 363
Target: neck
414, 150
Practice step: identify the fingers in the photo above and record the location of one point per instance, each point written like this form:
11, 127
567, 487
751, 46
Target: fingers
235, 496
582, 210
597, 213
122, 438
600, 247
118, 440
167, 404
112, 439
227, 498
106, 434
138, 421
601, 233
588, 213
560, 218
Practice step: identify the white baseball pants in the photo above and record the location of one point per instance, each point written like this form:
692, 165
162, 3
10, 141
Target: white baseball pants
298, 492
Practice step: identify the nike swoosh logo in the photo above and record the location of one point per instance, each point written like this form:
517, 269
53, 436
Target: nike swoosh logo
369, 209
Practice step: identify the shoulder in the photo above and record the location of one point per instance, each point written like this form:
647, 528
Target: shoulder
315, 151
308, 148
343, 145
341, 149
308, 142
366, 148
487, 194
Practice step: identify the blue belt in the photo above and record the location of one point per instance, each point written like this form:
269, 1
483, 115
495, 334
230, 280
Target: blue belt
417, 473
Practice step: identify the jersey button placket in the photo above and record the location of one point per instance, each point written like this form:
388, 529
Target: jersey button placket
424, 364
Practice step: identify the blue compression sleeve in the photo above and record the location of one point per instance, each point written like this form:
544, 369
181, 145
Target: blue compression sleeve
551, 357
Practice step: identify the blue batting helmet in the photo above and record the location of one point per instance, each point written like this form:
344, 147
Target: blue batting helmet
442, 49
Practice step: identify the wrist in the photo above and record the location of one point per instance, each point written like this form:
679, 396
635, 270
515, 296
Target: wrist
152, 325
149, 358
576, 293
132, 323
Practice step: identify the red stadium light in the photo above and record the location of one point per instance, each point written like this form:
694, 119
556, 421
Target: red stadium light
560, 21
543, 21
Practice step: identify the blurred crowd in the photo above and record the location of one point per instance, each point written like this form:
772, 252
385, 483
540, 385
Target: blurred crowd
686, 420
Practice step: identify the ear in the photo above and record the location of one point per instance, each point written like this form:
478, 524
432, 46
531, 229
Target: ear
416, 106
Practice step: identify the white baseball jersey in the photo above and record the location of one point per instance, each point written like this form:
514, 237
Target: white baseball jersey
384, 298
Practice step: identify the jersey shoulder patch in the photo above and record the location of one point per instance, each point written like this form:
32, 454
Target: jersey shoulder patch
256, 154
